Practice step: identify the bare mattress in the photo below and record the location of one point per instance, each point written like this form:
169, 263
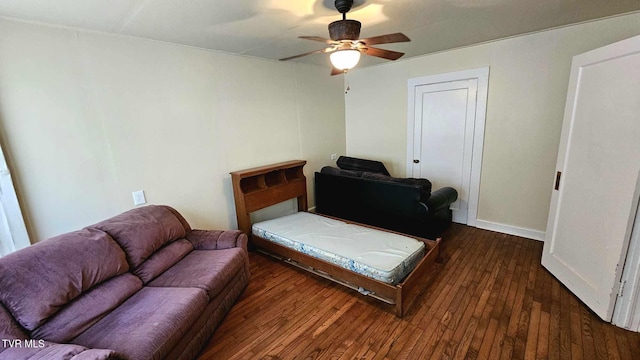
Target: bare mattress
377, 254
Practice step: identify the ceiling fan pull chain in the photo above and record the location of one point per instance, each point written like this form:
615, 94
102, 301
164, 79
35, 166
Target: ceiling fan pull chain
346, 90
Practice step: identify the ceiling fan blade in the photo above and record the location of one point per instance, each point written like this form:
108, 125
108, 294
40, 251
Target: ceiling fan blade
382, 53
326, 50
386, 39
335, 71
316, 38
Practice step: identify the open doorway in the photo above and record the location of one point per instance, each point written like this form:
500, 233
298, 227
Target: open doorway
13, 232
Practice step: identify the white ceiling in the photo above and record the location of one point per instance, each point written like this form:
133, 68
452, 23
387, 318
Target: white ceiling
269, 28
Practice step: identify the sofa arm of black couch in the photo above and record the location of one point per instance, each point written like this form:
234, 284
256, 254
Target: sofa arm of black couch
441, 199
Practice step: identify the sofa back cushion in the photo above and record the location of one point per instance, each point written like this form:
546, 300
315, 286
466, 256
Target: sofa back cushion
386, 204
9, 328
39, 280
183, 221
423, 184
144, 230
351, 163
341, 172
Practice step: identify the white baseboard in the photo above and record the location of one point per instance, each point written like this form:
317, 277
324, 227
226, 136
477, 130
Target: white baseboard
511, 230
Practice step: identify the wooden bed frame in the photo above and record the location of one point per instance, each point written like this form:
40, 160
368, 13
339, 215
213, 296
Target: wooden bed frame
260, 187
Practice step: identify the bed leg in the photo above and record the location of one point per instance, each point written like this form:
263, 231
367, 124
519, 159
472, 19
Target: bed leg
399, 303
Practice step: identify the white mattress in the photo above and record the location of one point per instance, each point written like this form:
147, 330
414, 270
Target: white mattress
381, 255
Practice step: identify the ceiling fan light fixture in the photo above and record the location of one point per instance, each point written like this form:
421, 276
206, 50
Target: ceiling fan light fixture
345, 45
345, 59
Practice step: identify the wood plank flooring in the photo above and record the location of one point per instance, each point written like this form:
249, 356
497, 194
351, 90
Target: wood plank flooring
489, 299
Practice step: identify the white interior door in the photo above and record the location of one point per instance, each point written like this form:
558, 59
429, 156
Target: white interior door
446, 128
13, 233
596, 194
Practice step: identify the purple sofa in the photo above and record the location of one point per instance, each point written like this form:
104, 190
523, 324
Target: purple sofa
141, 285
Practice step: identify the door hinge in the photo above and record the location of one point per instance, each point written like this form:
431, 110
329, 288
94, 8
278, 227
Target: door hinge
621, 288
558, 175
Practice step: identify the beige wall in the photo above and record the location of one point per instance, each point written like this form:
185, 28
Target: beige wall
87, 118
527, 89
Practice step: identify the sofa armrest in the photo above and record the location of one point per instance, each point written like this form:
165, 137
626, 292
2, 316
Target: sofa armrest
40, 349
441, 199
217, 239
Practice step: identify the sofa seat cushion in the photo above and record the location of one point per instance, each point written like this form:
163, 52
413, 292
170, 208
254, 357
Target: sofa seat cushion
149, 324
163, 259
39, 280
210, 270
87, 309
44, 350
144, 230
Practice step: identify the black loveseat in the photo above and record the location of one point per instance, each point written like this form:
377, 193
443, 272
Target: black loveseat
362, 191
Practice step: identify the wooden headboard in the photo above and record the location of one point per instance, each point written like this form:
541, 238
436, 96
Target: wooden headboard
260, 187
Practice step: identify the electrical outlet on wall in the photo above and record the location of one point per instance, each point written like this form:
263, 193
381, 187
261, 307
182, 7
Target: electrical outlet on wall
334, 156
138, 197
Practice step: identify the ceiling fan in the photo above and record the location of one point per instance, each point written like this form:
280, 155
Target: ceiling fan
345, 47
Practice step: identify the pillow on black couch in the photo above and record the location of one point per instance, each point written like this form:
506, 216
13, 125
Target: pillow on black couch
350, 163
340, 172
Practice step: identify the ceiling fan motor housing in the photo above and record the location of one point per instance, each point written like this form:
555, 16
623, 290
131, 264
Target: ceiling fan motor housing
343, 6
344, 30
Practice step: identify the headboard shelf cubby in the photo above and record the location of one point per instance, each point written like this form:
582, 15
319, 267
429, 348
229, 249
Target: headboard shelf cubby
260, 187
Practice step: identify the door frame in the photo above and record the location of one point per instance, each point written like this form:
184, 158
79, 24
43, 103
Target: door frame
481, 75
626, 311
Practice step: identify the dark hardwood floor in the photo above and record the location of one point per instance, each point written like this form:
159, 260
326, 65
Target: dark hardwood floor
489, 299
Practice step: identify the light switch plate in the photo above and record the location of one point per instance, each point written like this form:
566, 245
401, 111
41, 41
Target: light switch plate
138, 197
